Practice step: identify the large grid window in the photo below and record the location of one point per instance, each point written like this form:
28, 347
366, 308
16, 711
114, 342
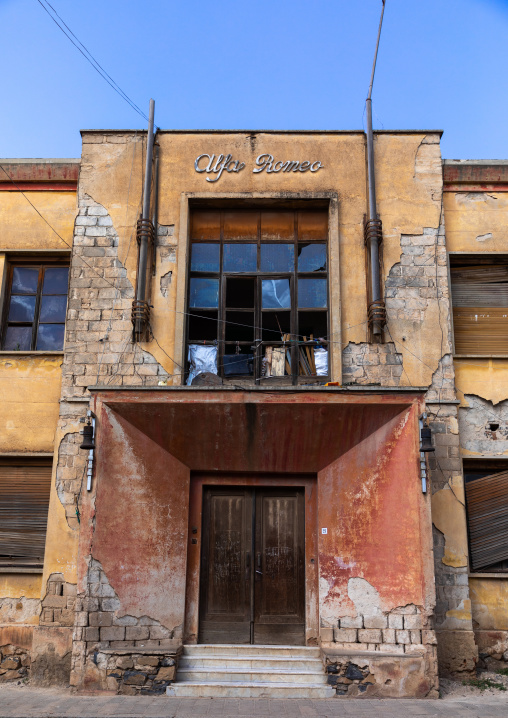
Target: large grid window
258, 290
35, 308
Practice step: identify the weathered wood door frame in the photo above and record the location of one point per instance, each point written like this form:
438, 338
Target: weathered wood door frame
308, 483
252, 586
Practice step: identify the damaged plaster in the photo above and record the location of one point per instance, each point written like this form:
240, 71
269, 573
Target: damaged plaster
448, 515
20, 610
483, 426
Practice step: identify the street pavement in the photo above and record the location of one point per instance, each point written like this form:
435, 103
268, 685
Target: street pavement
26, 702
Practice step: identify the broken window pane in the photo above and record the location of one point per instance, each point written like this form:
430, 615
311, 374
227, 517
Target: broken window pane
24, 280
276, 294
203, 325
239, 326
277, 258
55, 280
22, 309
312, 257
275, 324
50, 337
53, 309
204, 293
240, 258
240, 293
18, 338
314, 323
312, 293
205, 257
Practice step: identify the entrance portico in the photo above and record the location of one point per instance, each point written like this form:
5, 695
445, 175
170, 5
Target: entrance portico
334, 470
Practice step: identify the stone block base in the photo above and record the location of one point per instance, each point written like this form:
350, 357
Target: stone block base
127, 672
492, 645
372, 674
457, 653
15, 650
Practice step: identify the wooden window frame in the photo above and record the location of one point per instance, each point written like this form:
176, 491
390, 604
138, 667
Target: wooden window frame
258, 343
35, 262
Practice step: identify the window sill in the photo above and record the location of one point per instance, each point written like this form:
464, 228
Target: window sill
31, 353
488, 575
18, 569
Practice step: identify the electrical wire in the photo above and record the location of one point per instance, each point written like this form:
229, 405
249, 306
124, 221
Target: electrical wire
327, 339
89, 57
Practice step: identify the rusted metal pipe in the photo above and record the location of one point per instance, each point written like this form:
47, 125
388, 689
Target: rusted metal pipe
373, 229
155, 212
140, 306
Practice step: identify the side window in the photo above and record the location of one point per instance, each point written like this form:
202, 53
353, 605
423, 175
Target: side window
479, 287
35, 307
258, 294
487, 515
24, 501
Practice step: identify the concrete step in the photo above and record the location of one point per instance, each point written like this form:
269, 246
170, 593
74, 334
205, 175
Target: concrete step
250, 650
257, 662
243, 689
229, 675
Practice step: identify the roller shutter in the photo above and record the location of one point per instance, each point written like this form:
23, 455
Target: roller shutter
24, 501
480, 309
487, 509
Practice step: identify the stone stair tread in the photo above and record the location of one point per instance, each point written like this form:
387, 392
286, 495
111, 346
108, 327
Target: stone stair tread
249, 684
185, 660
225, 669
274, 646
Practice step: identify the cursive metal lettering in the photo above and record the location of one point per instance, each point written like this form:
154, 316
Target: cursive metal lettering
217, 165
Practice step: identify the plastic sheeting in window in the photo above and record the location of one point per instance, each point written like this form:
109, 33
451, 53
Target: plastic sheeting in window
321, 361
201, 358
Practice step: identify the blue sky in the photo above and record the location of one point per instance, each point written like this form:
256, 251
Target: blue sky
270, 64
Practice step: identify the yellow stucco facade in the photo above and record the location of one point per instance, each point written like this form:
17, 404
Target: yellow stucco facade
424, 224
475, 203
30, 382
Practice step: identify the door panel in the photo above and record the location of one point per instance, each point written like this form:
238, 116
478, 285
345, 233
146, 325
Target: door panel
225, 566
252, 566
279, 587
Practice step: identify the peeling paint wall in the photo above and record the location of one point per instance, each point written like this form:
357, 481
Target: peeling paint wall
30, 384
475, 204
132, 552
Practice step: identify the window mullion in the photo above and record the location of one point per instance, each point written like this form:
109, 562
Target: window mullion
35, 326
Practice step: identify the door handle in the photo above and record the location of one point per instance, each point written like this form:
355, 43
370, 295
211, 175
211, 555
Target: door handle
258, 563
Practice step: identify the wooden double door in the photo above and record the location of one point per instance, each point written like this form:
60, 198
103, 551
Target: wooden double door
252, 587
